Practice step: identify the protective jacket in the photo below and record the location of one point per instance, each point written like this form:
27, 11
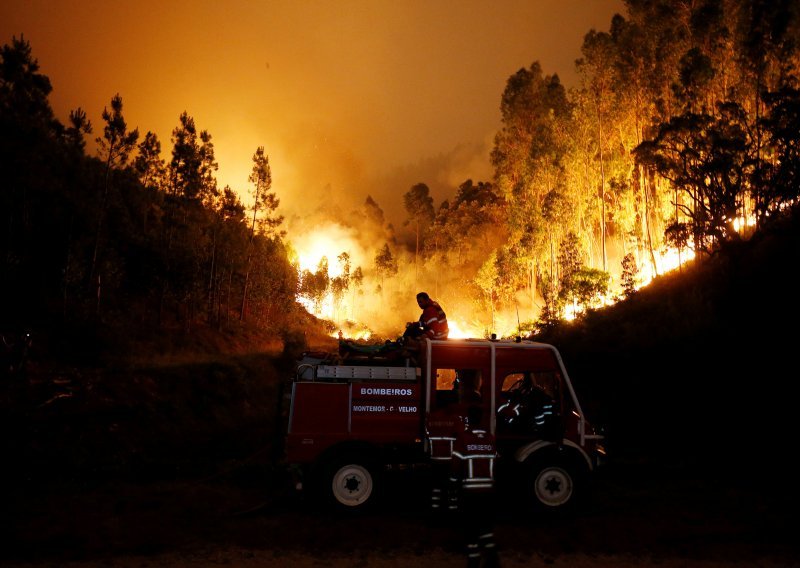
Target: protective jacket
441, 428
472, 464
434, 321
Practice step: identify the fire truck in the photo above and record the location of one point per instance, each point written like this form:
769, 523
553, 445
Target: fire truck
355, 415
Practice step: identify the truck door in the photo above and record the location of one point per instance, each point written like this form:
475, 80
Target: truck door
459, 375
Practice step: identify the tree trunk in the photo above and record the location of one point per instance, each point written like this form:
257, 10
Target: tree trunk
647, 227
211, 277
67, 266
243, 310
100, 215
602, 186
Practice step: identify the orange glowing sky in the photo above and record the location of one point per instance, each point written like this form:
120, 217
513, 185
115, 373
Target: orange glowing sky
348, 98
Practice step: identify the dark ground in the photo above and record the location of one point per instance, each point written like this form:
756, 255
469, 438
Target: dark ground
640, 515
125, 471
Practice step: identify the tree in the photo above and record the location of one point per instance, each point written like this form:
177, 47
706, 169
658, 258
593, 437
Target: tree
385, 264
590, 285
117, 142
569, 264
638, 87
596, 65
315, 285
114, 147
486, 281
630, 274
264, 199
189, 238
149, 165
74, 139
779, 180
374, 211
185, 166
340, 285
710, 159
29, 170
419, 206
79, 127
231, 244
208, 165
678, 235
358, 280
23, 90
569, 258
481, 193
529, 157
529, 150
553, 305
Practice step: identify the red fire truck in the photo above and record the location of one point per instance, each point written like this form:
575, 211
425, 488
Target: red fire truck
353, 417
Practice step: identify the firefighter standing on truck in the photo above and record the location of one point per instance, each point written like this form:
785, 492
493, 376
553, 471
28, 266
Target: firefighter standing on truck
472, 476
432, 322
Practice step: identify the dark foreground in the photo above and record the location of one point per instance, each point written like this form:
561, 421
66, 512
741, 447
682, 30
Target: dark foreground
248, 515
176, 465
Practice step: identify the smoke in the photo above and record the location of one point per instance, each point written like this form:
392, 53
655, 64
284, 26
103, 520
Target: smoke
319, 167
327, 215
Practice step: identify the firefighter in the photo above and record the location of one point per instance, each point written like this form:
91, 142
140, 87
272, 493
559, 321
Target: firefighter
472, 476
441, 428
432, 322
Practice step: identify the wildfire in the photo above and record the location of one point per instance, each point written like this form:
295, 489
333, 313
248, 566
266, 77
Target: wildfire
742, 223
666, 261
332, 243
358, 334
458, 331
311, 248
504, 325
342, 253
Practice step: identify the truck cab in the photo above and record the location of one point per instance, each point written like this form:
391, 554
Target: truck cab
353, 416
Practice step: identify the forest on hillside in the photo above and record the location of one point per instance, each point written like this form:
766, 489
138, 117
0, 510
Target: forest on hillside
682, 135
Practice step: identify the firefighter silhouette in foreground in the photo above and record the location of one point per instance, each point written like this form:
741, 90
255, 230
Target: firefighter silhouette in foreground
472, 481
445, 421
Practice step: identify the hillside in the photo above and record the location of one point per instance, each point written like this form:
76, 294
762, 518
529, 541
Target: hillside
699, 365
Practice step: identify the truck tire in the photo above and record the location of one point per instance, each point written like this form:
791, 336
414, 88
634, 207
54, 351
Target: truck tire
555, 484
350, 483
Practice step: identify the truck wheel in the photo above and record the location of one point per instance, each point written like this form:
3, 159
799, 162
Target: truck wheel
351, 483
554, 485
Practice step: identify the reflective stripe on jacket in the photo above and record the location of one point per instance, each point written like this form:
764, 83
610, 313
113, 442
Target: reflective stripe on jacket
434, 321
474, 452
441, 428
